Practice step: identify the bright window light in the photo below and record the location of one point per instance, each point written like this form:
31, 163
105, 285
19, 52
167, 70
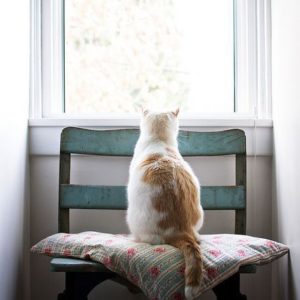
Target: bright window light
123, 55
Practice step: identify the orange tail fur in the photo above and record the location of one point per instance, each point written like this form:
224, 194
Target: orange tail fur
193, 263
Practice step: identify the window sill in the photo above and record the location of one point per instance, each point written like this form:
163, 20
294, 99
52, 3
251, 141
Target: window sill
44, 134
134, 122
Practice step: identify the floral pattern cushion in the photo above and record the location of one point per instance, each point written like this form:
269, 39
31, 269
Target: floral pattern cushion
159, 270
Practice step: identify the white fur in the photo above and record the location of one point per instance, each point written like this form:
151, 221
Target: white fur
191, 292
142, 218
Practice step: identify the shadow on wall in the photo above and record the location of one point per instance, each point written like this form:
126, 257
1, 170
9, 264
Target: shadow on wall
291, 283
284, 283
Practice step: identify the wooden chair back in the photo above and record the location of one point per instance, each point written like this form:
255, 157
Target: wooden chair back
121, 143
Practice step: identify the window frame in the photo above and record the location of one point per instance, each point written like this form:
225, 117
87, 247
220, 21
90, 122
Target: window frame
252, 57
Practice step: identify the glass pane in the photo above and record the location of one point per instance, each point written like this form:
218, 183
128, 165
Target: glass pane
121, 55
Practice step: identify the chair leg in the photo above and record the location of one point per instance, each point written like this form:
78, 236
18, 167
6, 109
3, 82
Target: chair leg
79, 284
229, 289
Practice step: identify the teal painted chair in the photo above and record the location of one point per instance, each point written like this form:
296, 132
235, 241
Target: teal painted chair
82, 276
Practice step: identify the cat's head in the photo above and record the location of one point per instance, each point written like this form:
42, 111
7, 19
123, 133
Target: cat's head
160, 124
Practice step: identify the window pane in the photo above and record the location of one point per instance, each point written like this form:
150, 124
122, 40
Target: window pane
120, 55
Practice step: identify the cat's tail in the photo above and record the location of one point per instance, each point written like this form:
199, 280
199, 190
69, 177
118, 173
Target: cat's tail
191, 250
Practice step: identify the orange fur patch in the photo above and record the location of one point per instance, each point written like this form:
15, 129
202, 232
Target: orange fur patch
179, 197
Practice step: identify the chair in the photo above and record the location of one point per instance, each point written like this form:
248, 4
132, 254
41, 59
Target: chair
82, 276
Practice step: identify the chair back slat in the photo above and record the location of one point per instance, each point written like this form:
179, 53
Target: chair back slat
114, 197
98, 142
121, 142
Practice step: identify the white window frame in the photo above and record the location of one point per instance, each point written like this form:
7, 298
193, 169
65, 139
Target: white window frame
252, 69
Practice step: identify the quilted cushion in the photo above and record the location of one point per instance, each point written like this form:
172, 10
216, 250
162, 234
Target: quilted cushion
159, 270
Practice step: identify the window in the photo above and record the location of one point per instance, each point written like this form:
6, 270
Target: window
120, 55
109, 58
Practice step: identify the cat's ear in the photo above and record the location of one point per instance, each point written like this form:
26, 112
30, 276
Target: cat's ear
175, 112
145, 112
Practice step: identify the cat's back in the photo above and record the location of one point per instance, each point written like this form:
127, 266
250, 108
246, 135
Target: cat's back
161, 166
150, 169
161, 186
142, 152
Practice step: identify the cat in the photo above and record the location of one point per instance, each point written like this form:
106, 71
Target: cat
164, 194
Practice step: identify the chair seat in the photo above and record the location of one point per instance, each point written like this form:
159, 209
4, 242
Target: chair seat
76, 265
79, 265
149, 266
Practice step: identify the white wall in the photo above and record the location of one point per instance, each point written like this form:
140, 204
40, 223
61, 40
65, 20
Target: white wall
44, 205
14, 171
286, 106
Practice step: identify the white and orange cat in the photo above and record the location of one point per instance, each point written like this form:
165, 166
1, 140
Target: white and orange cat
164, 194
